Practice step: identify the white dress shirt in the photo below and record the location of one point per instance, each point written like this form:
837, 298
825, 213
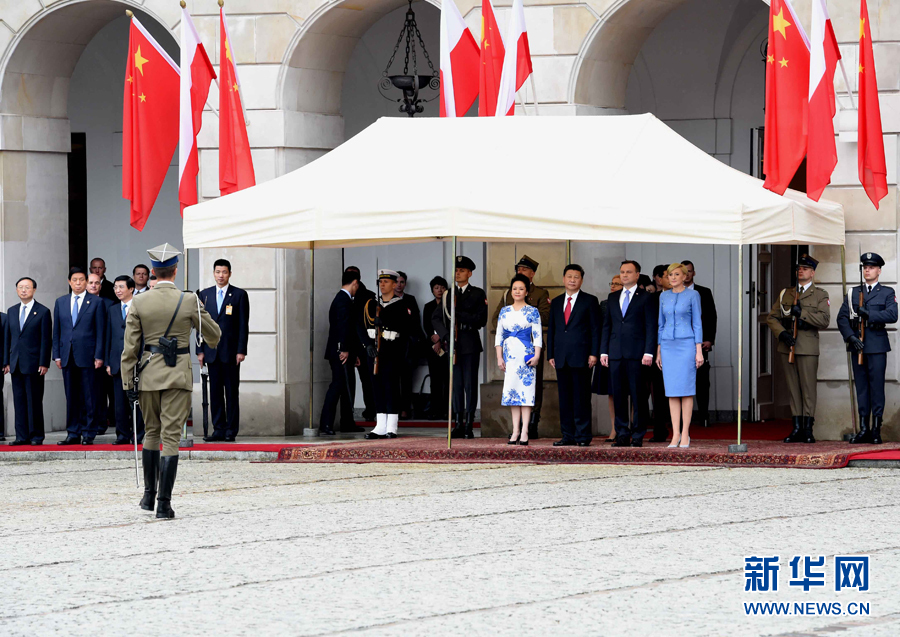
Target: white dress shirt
631, 292
27, 307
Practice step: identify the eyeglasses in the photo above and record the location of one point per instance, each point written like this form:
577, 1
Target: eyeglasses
615, 284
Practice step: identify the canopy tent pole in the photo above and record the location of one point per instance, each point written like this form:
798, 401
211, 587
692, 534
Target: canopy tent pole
312, 327
849, 355
740, 447
452, 339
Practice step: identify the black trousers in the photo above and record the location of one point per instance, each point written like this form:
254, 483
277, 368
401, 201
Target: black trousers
662, 419
224, 397
465, 384
81, 390
870, 383
628, 380
439, 372
406, 380
702, 396
386, 384
339, 391
104, 401
124, 413
539, 389
365, 379
28, 400
574, 385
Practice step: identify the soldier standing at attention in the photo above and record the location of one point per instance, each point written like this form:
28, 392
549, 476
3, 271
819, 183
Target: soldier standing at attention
162, 321
811, 313
540, 298
879, 307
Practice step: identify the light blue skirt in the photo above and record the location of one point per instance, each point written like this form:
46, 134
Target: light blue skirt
679, 366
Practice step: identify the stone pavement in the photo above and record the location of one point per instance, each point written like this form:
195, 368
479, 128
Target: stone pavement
264, 549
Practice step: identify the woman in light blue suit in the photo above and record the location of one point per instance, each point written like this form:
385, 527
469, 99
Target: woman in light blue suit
679, 352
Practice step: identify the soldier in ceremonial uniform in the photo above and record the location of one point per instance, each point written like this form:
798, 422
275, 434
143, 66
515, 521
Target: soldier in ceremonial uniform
471, 316
162, 320
811, 314
540, 298
389, 323
879, 307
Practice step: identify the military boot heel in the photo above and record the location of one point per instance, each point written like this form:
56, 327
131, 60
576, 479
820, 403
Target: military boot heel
459, 429
876, 430
470, 424
797, 432
150, 462
865, 435
168, 467
807, 436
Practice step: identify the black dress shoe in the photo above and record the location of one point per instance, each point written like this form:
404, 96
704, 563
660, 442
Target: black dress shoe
374, 436
214, 438
511, 441
657, 439
564, 443
637, 443
87, 443
584, 444
19, 443
352, 429
523, 444
70, 441
622, 442
37, 443
120, 441
326, 431
391, 434
229, 439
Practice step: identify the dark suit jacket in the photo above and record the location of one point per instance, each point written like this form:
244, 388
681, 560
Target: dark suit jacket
235, 327
471, 316
115, 337
707, 313
633, 335
427, 319
341, 337
107, 291
29, 349
363, 296
86, 340
415, 334
571, 344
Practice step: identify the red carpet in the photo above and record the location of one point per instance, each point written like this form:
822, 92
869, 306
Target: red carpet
822, 455
197, 447
884, 454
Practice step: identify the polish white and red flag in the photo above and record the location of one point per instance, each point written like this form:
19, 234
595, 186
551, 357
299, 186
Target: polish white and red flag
460, 60
196, 75
821, 154
516, 63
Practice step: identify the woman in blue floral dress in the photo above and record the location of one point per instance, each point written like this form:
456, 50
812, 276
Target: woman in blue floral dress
518, 352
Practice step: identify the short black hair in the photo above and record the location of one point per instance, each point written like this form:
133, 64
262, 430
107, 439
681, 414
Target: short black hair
351, 267
644, 281
27, 278
129, 282
660, 270
401, 273
225, 263
99, 259
574, 266
438, 280
76, 270
686, 262
637, 266
153, 277
349, 277
140, 265
521, 278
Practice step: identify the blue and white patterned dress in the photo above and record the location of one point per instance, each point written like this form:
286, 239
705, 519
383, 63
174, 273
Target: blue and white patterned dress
518, 332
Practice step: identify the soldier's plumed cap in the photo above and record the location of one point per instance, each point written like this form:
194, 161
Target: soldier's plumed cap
163, 256
808, 261
465, 262
388, 274
870, 258
527, 262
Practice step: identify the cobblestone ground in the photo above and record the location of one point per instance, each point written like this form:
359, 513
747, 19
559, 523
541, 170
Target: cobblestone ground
264, 549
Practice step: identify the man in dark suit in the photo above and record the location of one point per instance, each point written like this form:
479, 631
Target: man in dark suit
98, 267
662, 418
141, 275
573, 344
471, 316
3, 329
709, 319
228, 306
104, 401
438, 365
340, 356
627, 347
413, 346
362, 297
115, 341
28, 340
79, 331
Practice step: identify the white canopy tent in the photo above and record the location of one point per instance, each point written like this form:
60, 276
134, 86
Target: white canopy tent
612, 179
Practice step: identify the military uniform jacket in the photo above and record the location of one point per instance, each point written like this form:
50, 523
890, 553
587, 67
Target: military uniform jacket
149, 316
882, 305
537, 297
396, 316
815, 315
471, 316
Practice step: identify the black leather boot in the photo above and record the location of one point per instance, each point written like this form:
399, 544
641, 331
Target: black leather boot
459, 429
150, 462
864, 436
807, 436
533, 426
470, 424
797, 434
876, 430
168, 467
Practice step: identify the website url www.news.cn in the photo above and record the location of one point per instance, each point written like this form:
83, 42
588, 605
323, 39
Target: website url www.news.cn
806, 608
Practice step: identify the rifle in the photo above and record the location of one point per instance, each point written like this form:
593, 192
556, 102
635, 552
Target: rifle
377, 337
794, 318
862, 322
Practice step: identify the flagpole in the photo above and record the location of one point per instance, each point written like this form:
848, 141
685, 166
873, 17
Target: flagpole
243, 110
740, 447
452, 340
849, 355
534, 90
847, 84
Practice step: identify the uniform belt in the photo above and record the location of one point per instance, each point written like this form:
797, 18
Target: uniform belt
153, 349
465, 328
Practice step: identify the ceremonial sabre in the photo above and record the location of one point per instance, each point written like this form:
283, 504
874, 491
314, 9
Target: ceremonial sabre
862, 320
796, 322
134, 407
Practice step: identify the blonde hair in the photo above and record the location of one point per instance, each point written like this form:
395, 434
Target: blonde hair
676, 266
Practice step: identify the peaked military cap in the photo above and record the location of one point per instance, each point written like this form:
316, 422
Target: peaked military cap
388, 274
163, 256
465, 262
870, 258
527, 262
807, 261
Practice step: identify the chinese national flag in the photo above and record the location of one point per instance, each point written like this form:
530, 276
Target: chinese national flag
787, 86
235, 162
492, 51
821, 157
149, 121
872, 167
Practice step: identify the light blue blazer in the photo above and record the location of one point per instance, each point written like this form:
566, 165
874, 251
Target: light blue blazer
679, 316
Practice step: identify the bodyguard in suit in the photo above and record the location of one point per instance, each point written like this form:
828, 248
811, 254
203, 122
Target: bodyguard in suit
115, 341
627, 347
228, 306
710, 322
104, 401
413, 347
79, 329
471, 316
28, 341
878, 309
141, 275
363, 296
340, 356
573, 343
2, 377
438, 367
105, 291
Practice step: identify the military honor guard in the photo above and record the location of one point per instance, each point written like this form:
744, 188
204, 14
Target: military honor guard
540, 298
389, 321
795, 319
865, 312
157, 331
471, 316
229, 306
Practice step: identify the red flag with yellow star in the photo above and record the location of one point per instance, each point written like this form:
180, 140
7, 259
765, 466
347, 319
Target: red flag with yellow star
235, 162
149, 121
787, 107
872, 166
492, 51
